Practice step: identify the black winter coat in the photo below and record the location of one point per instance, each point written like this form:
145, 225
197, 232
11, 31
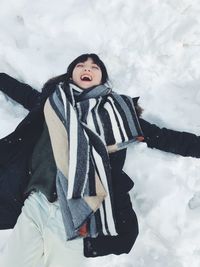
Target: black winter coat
16, 150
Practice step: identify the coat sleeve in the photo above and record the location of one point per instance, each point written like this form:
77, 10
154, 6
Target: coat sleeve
182, 143
22, 93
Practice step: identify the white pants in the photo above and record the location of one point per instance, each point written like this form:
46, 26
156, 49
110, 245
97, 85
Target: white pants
39, 236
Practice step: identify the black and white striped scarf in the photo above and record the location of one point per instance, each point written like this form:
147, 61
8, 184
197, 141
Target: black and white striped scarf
84, 126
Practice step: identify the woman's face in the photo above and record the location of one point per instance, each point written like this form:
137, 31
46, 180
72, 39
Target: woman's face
87, 74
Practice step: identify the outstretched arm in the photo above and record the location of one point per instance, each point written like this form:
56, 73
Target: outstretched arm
182, 143
22, 93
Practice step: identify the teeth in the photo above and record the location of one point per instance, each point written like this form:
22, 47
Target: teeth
86, 76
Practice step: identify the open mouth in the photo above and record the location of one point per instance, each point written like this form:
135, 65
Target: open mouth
86, 78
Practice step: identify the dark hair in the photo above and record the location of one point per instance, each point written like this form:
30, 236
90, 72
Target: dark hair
68, 75
83, 58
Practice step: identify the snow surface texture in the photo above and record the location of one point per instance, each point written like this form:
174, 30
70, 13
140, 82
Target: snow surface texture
151, 49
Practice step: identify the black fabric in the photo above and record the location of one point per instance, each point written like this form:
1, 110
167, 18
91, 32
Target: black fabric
43, 168
16, 151
18, 91
181, 143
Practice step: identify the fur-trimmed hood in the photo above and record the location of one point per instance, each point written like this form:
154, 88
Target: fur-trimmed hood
138, 108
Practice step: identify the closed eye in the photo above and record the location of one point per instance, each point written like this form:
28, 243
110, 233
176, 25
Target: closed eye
95, 67
79, 65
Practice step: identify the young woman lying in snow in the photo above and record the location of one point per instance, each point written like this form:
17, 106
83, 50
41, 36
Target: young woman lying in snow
62, 184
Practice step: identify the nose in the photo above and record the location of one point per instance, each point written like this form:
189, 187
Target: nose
87, 69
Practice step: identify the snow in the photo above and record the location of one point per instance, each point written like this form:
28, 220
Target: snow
151, 50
